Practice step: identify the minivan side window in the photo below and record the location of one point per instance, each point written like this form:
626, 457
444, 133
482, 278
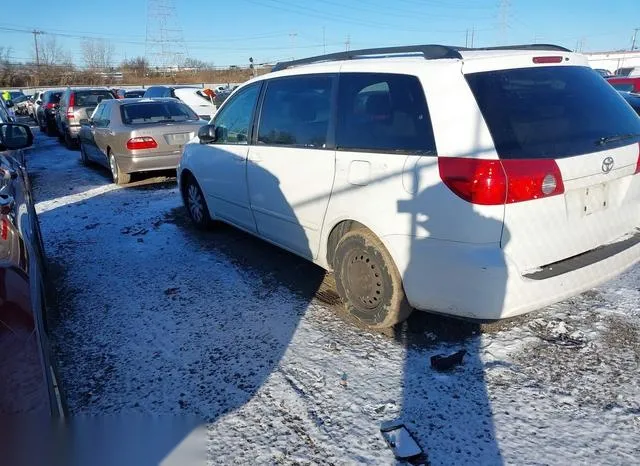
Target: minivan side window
234, 119
296, 111
383, 112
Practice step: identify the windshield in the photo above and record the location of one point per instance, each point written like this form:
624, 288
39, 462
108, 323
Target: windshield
551, 112
54, 97
90, 98
155, 112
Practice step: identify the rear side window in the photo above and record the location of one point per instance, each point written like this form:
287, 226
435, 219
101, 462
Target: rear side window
91, 98
154, 112
551, 112
296, 111
158, 92
626, 87
130, 94
383, 113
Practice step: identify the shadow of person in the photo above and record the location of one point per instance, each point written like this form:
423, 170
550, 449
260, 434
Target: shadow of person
456, 262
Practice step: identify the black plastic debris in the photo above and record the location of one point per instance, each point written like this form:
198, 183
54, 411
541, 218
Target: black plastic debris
440, 362
401, 442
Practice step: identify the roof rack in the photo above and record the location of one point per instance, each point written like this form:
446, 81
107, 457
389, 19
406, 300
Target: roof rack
429, 52
550, 47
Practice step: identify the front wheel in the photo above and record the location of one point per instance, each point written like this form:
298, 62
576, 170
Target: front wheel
196, 204
368, 281
119, 177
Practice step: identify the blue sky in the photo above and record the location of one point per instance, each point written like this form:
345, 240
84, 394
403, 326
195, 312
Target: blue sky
225, 33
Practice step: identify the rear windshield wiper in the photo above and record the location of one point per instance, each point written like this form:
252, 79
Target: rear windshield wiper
618, 137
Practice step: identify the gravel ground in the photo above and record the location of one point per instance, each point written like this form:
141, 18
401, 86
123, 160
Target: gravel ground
153, 317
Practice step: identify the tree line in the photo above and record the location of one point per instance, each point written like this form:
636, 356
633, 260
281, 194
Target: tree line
52, 66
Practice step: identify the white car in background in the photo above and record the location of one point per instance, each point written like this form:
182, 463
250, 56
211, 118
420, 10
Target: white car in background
480, 183
193, 96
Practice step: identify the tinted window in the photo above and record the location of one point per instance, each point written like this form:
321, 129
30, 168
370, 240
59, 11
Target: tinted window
383, 112
53, 97
234, 118
157, 92
296, 111
551, 112
154, 112
90, 98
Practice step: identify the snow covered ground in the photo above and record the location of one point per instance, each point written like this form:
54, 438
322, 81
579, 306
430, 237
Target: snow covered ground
156, 317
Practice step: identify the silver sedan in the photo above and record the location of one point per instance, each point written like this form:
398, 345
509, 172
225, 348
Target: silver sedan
137, 135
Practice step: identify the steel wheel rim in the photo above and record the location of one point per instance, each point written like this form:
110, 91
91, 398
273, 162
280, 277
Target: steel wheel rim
194, 199
365, 287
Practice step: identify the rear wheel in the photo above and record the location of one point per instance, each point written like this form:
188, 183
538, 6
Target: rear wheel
83, 155
196, 204
368, 280
119, 177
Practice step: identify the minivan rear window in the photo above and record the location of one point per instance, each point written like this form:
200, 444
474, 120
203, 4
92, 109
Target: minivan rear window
155, 112
90, 98
552, 112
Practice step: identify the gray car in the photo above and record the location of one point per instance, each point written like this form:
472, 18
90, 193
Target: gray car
137, 135
77, 104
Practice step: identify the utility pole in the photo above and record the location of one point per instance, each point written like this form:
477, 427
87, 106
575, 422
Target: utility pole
347, 44
466, 38
473, 34
35, 41
633, 41
293, 36
324, 42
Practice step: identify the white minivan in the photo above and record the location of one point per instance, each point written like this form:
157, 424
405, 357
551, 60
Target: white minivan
479, 183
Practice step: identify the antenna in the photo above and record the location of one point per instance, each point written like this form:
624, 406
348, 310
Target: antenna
165, 47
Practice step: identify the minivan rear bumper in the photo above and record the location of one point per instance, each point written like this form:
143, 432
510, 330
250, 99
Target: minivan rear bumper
480, 282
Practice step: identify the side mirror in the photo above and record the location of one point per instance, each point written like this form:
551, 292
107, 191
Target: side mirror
9, 103
15, 136
208, 134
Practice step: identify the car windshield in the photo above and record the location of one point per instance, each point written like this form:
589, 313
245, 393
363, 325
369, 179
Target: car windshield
16, 94
551, 111
91, 98
155, 112
130, 94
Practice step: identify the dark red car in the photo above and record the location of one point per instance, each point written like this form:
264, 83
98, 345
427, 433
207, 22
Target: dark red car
27, 378
625, 84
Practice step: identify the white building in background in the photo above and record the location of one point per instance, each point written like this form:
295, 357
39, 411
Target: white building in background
613, 61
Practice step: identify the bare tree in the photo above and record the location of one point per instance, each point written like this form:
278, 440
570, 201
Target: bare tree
97, 53
50, 53
137, 66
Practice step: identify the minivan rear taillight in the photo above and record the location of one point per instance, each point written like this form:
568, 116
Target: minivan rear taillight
72, 102
638, 163
495, 182
145, 142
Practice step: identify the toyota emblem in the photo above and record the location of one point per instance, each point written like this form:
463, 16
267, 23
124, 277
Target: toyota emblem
607, 164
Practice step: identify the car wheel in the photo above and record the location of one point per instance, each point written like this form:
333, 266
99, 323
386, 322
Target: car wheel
196, 204
68, 141
83, 155
368, 281
118, 176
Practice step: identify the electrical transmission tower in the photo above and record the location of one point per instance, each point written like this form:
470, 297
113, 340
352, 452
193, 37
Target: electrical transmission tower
165, 48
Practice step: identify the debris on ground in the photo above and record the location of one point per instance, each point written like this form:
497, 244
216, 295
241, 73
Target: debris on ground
440, 362
400, 440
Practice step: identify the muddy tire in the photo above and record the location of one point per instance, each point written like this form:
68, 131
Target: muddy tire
368, 281
118, 176
196, 204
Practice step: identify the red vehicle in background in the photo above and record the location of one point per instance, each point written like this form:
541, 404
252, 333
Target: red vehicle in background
27, 379
626, 84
